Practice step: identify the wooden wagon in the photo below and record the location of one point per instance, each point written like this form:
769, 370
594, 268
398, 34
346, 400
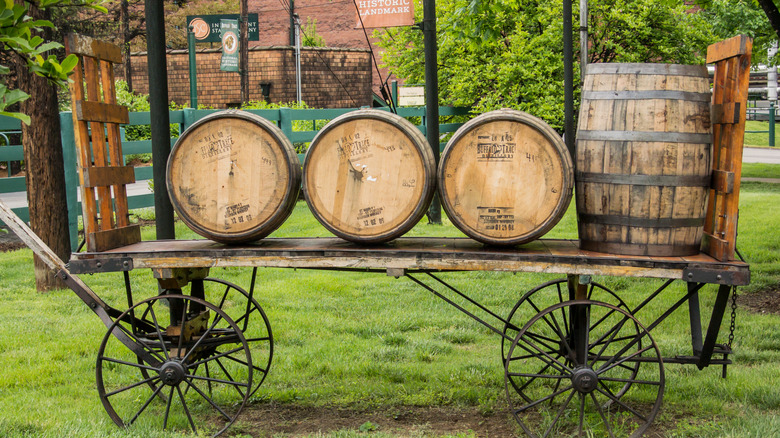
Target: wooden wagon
584, 351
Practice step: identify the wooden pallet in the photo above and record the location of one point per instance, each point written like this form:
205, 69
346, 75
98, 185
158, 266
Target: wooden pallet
96, 119
729, 105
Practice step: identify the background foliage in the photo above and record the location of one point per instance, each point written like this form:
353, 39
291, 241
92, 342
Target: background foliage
510, 53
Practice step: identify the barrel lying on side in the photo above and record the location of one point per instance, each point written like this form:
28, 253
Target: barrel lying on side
505, 178
643, 158
369, 176
233, 177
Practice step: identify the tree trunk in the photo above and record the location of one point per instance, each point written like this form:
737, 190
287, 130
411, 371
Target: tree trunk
44, 166
770, 9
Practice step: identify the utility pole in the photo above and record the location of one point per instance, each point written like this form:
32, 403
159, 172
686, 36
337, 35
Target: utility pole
298, 93
771, 90
583, 38
243, 69
292, 22
431, 95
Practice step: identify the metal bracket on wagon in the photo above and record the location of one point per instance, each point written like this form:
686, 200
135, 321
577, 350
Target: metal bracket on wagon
716, 276
90, 266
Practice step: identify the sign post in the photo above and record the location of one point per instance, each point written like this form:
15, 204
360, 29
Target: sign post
193, 68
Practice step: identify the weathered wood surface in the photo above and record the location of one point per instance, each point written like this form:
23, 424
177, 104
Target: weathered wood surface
233, 177
505, 178
369, 176
96, 119
643, 158
730, 90
408, 253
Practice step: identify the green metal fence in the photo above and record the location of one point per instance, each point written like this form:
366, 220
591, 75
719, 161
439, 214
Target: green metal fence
299, 125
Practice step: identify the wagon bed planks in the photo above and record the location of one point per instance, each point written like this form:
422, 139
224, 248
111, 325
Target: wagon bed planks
411, 253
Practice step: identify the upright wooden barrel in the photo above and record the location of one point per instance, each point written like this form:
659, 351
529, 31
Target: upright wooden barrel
643, 158
233, 177
505, 178
369, 176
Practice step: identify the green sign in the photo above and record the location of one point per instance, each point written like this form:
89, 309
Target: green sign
207, 27
229, 34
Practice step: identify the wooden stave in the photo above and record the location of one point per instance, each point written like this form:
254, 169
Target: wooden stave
623, 235
566, 165
285, 207
426, 154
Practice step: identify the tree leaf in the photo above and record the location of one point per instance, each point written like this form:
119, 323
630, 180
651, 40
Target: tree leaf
23, 117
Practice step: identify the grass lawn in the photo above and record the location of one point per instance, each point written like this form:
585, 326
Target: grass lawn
379, 348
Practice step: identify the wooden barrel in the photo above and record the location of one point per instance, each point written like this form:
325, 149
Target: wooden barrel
505, 178
233, 177
369, 176
643, 158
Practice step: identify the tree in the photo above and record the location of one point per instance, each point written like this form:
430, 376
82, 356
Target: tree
729, 18
27, 34
509, 53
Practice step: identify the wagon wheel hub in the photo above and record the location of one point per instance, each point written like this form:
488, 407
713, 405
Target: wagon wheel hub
584, 380
172, 373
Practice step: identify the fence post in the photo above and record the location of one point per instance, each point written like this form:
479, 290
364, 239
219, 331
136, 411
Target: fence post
772, 115
285, 121
71, 177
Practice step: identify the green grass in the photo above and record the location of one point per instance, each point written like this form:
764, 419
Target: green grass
372, 341
758, 138
760, 170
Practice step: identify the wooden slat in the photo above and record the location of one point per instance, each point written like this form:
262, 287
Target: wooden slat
409, 253
715, 247
83, 154
739, 45
725, 113
98, 137
722, 181
86, 46
114, 142
730, 87
91, 111
108, 176
113, 238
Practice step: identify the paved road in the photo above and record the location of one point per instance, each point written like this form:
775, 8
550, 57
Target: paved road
19, 199
761, 155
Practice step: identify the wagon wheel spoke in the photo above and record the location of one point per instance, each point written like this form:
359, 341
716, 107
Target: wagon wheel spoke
551, 293
546, 391
603, 417
247, 313
210, 400
164, 398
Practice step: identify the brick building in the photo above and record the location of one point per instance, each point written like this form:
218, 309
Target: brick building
330, 77
342, 74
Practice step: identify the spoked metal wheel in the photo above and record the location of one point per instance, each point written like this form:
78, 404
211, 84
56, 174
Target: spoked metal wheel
563, 373
180, 376
250, 317
556, 292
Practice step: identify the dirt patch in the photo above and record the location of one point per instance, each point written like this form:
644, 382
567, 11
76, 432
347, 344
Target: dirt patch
9, 241
272, 419
764, 302
291, 420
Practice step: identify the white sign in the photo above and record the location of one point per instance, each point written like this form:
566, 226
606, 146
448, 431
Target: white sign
411, 96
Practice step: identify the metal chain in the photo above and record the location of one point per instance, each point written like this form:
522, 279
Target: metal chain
733, 315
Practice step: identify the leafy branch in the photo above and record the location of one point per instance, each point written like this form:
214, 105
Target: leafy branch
18, 35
